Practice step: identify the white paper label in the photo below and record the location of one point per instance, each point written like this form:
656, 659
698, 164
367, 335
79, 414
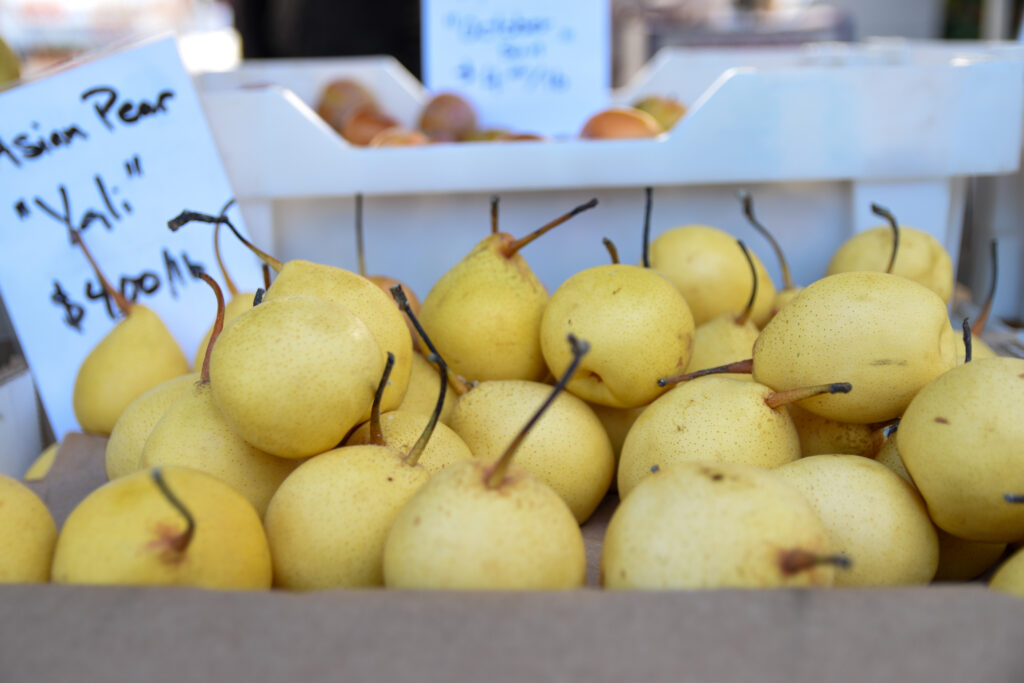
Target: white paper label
113, 148
526, 65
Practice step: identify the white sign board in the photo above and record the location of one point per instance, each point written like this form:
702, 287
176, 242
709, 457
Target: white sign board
113, 148
532, 66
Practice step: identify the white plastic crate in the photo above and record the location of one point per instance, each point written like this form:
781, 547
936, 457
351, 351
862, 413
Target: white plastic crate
815, 133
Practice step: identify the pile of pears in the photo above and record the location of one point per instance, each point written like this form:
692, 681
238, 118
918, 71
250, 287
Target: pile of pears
330, 435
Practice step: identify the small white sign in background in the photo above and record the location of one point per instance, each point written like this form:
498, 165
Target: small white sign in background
113, 148
532, 66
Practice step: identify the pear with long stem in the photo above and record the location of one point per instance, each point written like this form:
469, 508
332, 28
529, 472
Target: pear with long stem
789, 289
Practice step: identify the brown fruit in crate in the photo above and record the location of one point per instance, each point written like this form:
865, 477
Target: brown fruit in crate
365, 123
398, 136
448, 117
27, 534
665, 110
715, 525
340, 98
620, 122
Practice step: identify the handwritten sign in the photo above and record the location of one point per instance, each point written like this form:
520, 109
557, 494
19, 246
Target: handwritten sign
533, 66
112, 148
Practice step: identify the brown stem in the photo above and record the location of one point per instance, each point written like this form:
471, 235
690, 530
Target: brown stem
887, 215
178, 544
266, 276
495, 474
494, 214
612, 251
748, 211
258, 297
512, 247
645, 254
376, 431
421, 443
986, 309
777, 399
459, 384
360, 248
740, 367
122, 303
232, 290
218, 325
745, 316
968, 345
185, 217
798, 560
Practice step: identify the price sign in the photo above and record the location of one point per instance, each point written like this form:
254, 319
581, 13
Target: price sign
112, 148
531, 66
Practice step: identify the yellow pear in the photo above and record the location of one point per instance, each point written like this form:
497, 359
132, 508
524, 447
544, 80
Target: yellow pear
821, 436
666, 110
484, 314
10, 68
873, 517
190, 530
711, 272
137, 354
293, 375
568, 449
714, 525
886, 335
42, 464
617, 422
638, 323
124, 447
714, 418
421, 394
919, 256
960, 439
27, 534
479, 525
1009, 578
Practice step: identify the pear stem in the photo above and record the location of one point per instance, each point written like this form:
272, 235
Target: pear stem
421, 443
887, 215
512, 247
1013, 497
218, 325
179, 544
494, 214
232, 290
185, 217
745, 315
968, 342
645, 253
740, 367
403, 302
495, 474
612, 251
266, 276
777, 399
748, 211
986, 309
258, 298
376, 431
120, 301
798, 560
360, 247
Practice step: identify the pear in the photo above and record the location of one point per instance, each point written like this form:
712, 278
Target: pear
10, 68
193, 433
127, 439
1009, 578
480, 525
328, 521
620, 122
568, 448
27, 534
339, 98
960, 441
714, 418
920, 257
421, 393
292, 376
175, 526
714, 525
135, 356
484, 314
712, 274
885, 334
821, 436
40, 467
617, 422
351, 290
873, 517
447, 117
666, 110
